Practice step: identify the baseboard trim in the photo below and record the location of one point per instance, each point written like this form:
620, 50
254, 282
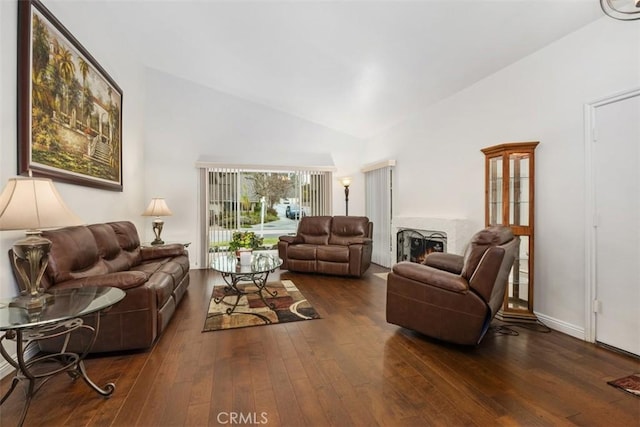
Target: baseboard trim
561, 326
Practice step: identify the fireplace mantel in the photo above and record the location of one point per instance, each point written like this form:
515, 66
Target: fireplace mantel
458, 231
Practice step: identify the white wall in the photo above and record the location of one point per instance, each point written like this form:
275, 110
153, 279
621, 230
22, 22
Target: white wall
91, 205
440, 169
185, 121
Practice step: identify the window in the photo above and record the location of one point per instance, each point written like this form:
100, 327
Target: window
269, 202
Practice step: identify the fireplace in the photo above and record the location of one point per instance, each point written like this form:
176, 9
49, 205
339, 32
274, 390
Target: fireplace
414, 245
457, 231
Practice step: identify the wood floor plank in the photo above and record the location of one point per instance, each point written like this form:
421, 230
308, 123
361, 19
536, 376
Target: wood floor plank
349, 368
288, 409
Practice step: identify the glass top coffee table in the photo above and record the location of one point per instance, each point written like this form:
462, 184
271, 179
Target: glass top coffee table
60, 316
254, 275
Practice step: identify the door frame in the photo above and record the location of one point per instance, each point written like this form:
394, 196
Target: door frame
591, 135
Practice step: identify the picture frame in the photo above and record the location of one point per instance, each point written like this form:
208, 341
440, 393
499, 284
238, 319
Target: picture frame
69, 108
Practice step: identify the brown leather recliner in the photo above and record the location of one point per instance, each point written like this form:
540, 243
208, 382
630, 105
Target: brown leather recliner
338, 245
451, 297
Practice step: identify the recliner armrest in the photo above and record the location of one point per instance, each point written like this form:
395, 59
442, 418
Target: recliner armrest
291, 239
360, 241
431, 276
444, 261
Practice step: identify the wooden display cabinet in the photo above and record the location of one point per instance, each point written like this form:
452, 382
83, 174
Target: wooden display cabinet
509, 200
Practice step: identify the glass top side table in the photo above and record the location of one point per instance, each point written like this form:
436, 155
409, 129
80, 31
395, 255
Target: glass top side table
58, 318
255, 273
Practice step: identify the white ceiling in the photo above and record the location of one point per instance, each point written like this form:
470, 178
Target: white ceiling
353, 66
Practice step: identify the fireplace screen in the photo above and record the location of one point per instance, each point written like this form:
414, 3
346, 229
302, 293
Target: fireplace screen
415, 245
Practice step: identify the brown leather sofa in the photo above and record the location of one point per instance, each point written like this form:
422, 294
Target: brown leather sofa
154, 279
452, 297
338, 245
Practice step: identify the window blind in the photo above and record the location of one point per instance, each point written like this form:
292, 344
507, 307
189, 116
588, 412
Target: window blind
378, 207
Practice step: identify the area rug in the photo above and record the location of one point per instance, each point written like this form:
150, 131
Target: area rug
630, 384
290, 306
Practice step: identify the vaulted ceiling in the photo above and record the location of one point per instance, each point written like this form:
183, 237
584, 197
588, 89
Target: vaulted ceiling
353, 66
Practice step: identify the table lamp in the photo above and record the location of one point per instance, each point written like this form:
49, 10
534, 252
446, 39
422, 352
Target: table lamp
157, 207
32, 204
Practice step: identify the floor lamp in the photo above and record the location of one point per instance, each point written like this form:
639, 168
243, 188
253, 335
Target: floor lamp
346, 182
32, 204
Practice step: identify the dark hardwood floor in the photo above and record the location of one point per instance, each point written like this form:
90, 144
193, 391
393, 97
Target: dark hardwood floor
348, 368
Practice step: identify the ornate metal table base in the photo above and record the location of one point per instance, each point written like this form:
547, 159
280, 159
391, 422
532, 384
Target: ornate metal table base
39, 369
258, 279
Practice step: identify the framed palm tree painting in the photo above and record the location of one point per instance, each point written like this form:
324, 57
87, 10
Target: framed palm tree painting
69, 108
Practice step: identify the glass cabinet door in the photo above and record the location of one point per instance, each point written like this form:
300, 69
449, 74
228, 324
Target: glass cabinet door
519, 188
518, 289
495, 190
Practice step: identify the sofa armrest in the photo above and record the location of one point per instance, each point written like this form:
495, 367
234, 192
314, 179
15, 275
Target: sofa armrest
360, 241
291, 239
161, 251
444, 261
431, 276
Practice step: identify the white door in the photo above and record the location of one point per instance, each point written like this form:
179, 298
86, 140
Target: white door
616, 160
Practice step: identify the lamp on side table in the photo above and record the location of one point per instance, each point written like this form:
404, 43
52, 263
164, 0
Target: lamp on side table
157, 207
32, 204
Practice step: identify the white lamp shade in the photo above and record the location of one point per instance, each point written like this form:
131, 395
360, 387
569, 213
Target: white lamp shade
346, 181
33, 204
157, 207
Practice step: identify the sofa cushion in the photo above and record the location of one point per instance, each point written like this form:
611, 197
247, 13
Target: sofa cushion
315, 230
333, 253
121, 279
109, 248
302, 251
128, 240
347, 229
74, 254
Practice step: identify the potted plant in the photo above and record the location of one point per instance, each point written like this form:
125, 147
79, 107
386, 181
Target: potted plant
247, 240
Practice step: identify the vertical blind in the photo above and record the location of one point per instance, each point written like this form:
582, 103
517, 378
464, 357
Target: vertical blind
226, 190
378, 207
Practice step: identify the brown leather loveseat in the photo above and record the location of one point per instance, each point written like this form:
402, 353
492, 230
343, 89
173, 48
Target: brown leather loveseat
338, 245
154, 279
453, 297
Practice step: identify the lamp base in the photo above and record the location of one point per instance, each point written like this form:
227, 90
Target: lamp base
30, 259
31, 303
157, 225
